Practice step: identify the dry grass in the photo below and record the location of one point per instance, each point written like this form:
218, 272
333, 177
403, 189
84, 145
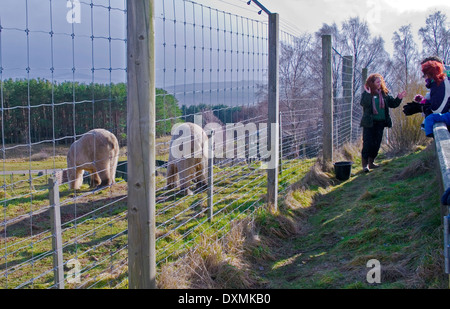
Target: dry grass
317, 177
405, 134
40, 156
215, 263
321, 173
350, 223
38, 152
418, 166
349, 151
231, 262
238, 259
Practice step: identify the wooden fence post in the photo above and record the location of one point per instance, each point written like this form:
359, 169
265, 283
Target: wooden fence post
55, 221
273, 110
141, 144
327, 100
364, 77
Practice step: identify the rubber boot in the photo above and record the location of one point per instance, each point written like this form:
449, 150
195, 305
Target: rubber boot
364, 165
371, 164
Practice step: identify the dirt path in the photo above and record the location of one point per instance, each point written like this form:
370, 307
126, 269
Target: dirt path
24, 172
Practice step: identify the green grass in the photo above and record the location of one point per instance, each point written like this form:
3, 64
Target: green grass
391, 214
94, 224
320, 237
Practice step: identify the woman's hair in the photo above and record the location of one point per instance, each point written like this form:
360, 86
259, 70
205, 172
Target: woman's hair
370, 84
433, 58
435, 70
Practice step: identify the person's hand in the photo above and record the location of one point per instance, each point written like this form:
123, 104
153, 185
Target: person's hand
418, 98
412, 108
401, 95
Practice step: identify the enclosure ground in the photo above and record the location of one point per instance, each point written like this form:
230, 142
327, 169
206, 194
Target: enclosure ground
391, 214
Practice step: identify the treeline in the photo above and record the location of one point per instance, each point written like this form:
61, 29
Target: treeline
220, 113
38, 110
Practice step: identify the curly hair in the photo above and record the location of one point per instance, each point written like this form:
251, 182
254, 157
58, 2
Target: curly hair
370, 84
435, 70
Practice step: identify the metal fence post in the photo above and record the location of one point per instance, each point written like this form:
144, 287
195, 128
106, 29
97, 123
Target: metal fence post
273, 110
347, 85
327, 100
211, 174
55, 221
141, 144
447, 245
280, 161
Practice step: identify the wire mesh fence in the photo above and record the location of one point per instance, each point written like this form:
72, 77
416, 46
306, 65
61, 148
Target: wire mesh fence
60, 78
63, 74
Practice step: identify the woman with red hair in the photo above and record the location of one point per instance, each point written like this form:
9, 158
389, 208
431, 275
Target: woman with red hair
376, 102
438, 104
438, 83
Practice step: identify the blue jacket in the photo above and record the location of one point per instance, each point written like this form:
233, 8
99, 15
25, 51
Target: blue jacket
438, 94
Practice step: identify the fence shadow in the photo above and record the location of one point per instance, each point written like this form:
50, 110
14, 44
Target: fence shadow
31, 225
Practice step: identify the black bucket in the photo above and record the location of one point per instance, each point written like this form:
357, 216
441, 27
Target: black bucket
343, 170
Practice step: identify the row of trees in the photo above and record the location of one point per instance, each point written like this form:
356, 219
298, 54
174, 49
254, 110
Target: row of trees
300, 64
300, 61
36, 110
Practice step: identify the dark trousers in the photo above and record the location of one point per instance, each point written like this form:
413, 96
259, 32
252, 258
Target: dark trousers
372, 138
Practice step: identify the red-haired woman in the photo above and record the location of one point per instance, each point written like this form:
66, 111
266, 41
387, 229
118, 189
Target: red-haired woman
376, 102
439, 85
436, 108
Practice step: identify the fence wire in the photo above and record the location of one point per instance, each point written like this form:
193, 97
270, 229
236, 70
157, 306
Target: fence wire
59, 80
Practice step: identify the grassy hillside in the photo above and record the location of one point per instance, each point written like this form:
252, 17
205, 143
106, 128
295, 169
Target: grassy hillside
391, 214
326, 231
323, 235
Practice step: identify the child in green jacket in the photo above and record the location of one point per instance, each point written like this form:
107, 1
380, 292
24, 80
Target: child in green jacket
376, 102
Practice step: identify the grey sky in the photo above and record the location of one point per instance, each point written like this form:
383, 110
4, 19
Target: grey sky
383, 16
196, 43
40, 53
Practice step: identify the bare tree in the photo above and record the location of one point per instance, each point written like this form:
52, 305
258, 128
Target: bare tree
436, 36
294, 72
340, 46
368, 52
298, 90
406, 57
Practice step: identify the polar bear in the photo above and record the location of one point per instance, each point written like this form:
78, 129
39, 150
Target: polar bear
188, 157
97, 152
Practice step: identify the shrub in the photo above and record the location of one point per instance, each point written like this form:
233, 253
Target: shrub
40, 156
405, 134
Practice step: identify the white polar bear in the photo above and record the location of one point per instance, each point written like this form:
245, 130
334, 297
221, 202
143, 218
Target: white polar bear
96, 152
188, 157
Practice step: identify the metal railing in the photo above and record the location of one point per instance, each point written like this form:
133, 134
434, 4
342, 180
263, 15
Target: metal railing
442, 143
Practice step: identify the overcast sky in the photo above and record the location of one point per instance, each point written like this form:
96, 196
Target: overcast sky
383, 16
40, 51
179, 49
